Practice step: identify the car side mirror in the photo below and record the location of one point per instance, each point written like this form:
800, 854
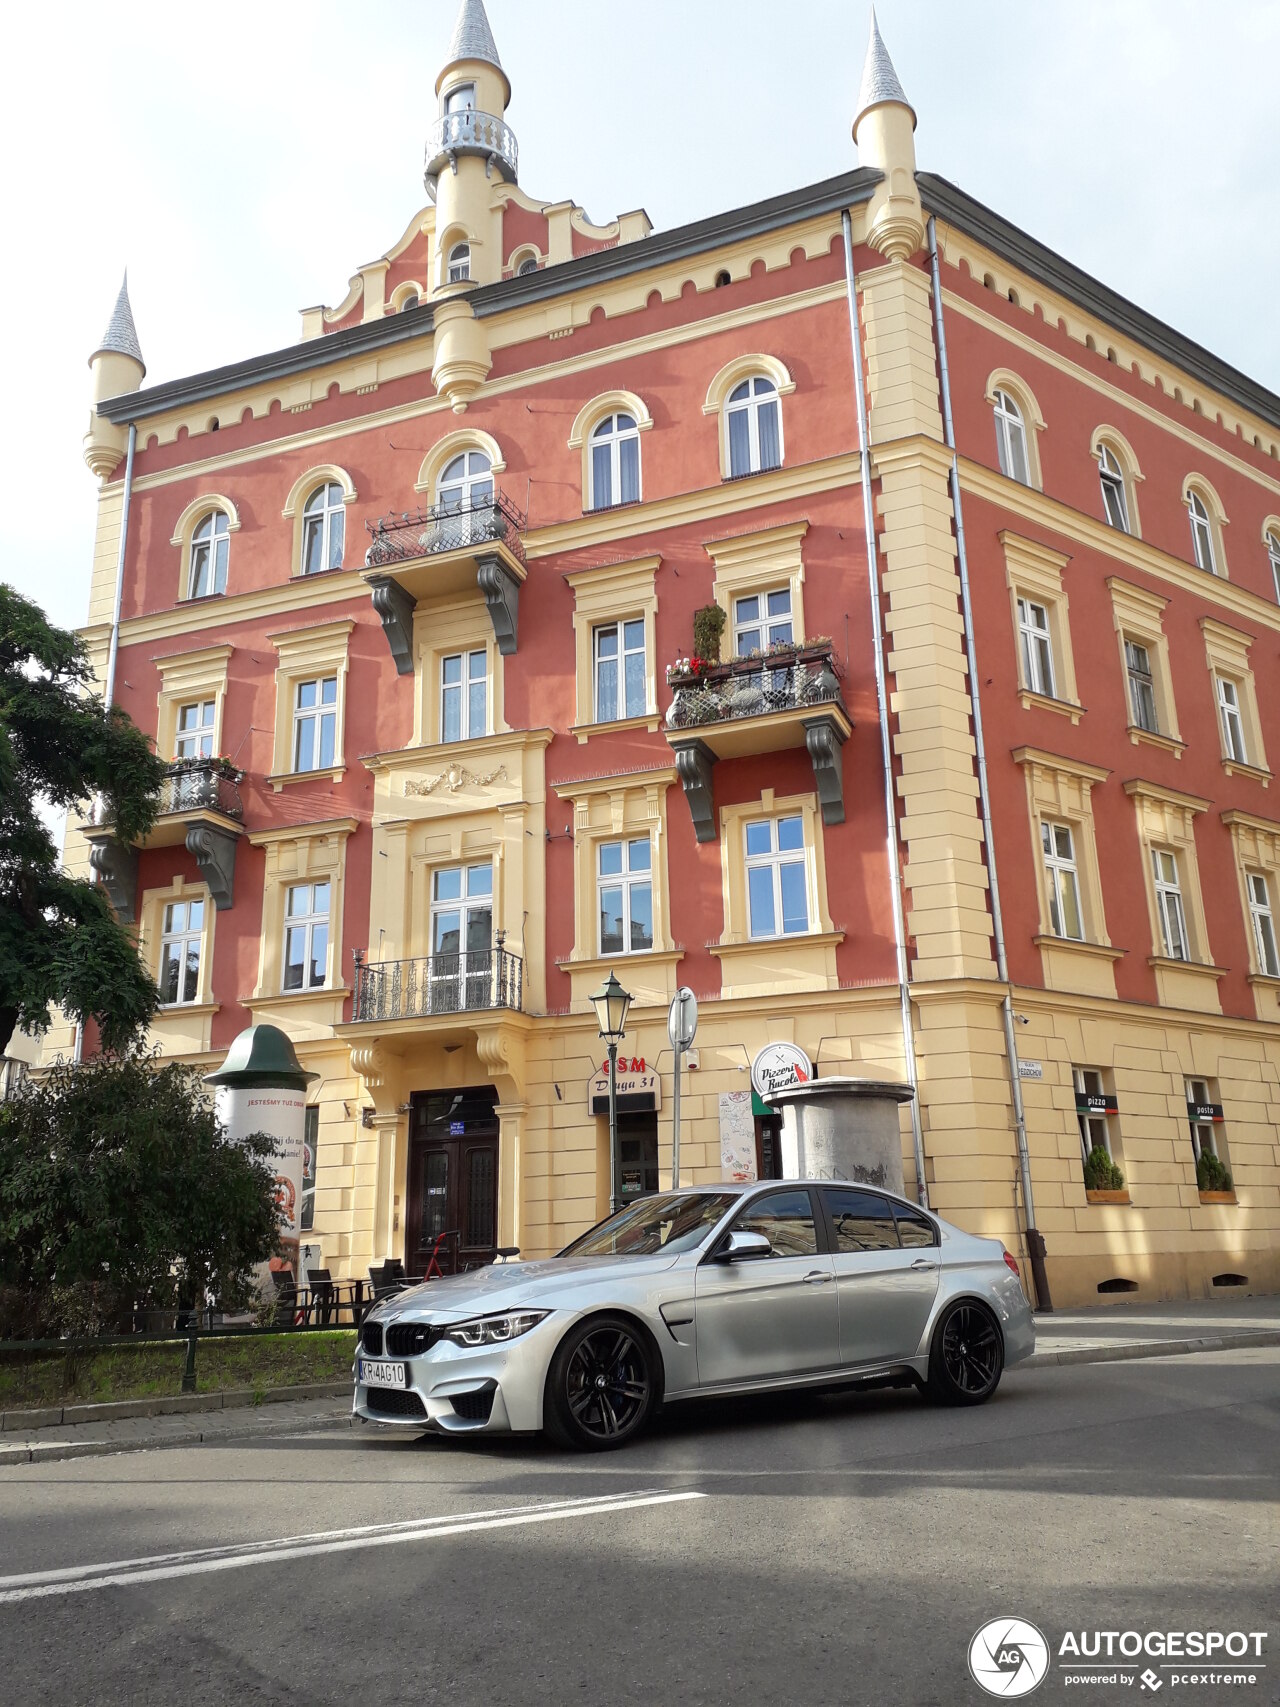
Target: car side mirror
746, 1247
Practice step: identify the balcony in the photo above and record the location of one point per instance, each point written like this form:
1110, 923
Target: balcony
479, 981
200, 808
470, 132
787, 697
449, 549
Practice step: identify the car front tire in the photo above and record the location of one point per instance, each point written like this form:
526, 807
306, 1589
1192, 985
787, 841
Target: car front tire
603, 1385
966, 1358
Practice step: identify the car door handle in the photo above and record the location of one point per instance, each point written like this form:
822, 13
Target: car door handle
923, 1262
819, 1277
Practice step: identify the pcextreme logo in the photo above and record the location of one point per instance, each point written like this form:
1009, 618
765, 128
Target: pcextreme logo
1008, 1657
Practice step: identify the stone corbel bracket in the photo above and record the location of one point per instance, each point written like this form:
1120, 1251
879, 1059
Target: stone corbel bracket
502, 597
395, 607
214, 851
117, 869
824, 737
694, 764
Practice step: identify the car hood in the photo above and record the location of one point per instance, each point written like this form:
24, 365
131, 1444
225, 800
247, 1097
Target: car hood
512, 1286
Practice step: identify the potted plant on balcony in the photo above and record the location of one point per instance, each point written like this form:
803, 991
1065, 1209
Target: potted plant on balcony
1213, 1179
1103, 1180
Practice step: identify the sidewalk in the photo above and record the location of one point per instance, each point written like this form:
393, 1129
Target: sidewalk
1111, 1331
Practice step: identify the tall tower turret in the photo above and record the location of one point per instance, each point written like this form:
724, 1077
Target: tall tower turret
884, 133
117, 366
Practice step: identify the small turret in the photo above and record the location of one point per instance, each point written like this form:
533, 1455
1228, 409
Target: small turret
884, 134
117, 367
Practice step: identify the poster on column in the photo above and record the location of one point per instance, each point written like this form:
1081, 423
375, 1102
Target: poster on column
737, 1136
281, 1114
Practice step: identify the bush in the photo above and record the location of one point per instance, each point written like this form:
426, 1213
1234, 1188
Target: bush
708, 625
1211, 1174
1100, 1172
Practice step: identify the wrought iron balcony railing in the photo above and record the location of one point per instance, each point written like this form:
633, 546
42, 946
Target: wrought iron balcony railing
787, 678
471, 132
208, 785
401, 537
437, 984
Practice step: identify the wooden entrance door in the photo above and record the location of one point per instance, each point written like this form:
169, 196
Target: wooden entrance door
453, 1180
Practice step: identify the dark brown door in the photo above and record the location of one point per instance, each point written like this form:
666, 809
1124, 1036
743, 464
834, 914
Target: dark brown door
453, 1181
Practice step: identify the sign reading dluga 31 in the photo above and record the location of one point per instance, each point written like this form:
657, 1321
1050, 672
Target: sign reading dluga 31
778, 1066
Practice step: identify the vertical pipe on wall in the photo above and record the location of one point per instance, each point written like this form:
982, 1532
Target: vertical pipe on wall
1035, 1242
882, 702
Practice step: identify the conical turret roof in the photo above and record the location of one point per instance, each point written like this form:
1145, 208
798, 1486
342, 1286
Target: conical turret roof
121, 336
472, 38
880, 82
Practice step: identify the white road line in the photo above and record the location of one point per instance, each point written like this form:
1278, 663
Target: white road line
39, 1585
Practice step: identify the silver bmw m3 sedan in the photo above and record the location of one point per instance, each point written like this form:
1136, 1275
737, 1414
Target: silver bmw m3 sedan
717, 1290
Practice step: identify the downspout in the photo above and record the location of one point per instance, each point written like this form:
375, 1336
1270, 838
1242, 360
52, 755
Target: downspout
1035, 1242
882, 703
113, 648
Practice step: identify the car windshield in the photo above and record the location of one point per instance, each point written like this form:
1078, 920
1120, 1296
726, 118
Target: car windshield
669, 1222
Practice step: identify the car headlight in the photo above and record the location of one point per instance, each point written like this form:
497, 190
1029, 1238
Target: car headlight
494, 1330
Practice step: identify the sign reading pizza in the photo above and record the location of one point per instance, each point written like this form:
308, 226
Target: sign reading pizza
778, 1066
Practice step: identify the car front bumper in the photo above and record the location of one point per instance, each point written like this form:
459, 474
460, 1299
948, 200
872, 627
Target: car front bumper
490, 1389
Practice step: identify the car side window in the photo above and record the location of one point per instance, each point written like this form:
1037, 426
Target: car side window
863, 1220
786, 1220
914, 1229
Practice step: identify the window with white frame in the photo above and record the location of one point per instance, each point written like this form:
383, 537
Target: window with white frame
461, 99
1091, 1114
315, 723
210, 546
777, 889
461, 971
1201, 534
1264, 928
1114, 499
464, 696
1232, 724
193, 734
1142, 692
1035, 639
306, 935
1203, 1114
753, 418
615, 462
625, 888
181, 945
459, 263
761, 620
1062, 880
619, 670
1273, 552
1011, 439
465, 482
323, 528
1169, 908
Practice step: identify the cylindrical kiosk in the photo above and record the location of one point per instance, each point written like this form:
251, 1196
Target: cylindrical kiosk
262, 1087
843, 1129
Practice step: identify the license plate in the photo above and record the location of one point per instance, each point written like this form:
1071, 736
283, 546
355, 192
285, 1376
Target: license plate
381, 1374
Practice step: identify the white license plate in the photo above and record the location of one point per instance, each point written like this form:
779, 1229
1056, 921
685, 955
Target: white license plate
381, 1374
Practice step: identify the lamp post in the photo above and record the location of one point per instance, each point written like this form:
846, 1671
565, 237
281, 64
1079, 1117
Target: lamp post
611, 1003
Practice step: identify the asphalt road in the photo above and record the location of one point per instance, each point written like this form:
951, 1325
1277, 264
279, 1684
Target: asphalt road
840, 1549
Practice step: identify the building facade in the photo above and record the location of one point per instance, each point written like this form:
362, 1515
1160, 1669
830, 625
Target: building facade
415, 607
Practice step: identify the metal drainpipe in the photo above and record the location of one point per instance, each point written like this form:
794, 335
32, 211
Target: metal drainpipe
882, 702
1035, 1242
109, 686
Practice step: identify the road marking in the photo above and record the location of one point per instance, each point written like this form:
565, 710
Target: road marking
75, 1579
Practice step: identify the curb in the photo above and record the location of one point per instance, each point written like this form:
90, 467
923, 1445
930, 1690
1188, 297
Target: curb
125, 1410
1125, 1350
56, 1450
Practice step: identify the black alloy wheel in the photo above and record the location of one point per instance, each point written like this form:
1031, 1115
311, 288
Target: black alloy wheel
967, 1356
601, 1387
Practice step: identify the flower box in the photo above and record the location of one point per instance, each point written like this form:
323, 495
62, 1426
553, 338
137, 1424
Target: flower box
1121, 1196
1217, 1197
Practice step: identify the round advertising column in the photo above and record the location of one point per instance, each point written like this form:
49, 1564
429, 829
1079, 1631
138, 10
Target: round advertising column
844, 1129
262, 1087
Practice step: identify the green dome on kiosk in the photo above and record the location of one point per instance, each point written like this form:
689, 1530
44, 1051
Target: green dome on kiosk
262, 1057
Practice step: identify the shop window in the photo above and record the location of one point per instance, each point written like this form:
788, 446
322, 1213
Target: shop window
1096, 1114
637, 1156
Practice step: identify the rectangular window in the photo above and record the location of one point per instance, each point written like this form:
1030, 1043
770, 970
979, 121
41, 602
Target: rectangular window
777, 891
194, 734
762, 620
626, 896
619, 671
1091, 1114
461, 939
1062, 881
1264, 930
1229, 716
310, 1143
1203, 1115
1142, 693
464, 698
1036, 644
315, 723
181, 943
306, 936
1173, 921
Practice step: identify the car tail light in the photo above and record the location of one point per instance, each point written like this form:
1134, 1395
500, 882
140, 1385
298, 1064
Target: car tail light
1011, 1263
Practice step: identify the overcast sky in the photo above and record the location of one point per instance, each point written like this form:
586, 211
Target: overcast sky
243, 160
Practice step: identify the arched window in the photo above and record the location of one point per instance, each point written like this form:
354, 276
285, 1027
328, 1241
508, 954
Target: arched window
615, 462
1114, 501
1011, 439
753, 416
210, 545
1201, 533
465, 483
528, 265
459, 263
1273, 552
409, 300
323, 527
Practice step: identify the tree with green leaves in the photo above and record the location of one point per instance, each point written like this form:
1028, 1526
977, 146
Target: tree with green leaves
119, 1189
60, 942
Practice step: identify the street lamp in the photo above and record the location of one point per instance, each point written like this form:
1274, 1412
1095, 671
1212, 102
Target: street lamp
611, 1003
